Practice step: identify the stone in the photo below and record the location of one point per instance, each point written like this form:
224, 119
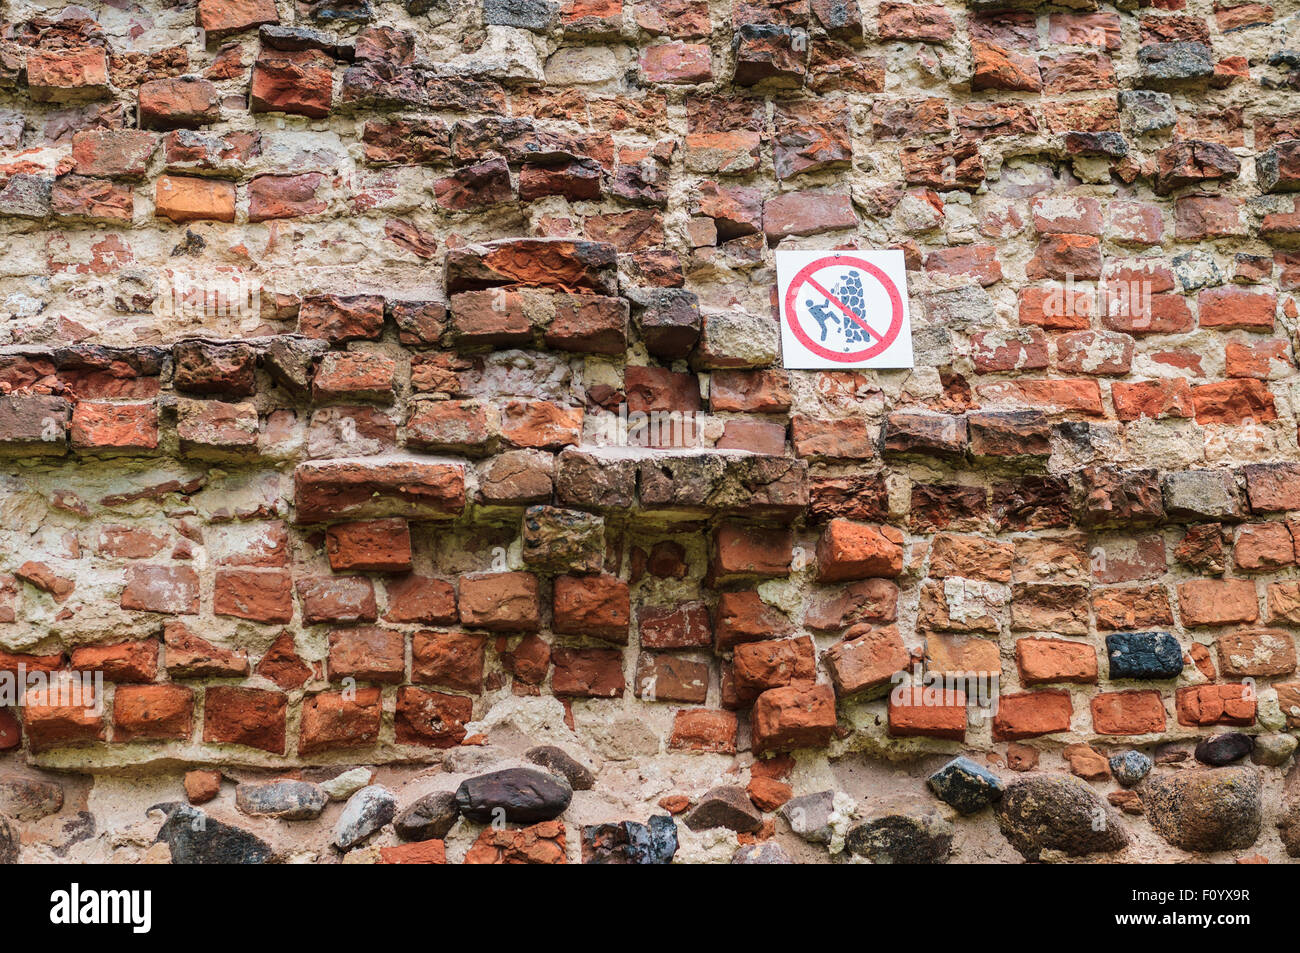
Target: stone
283, 800
1057, 813
1273, 750
725, 806
764, 853
629, 842
366, 812
343, 786
29, 799
561, 540
1223, 749
556, 761
195, 838
965, 785
519, 795
1144, 655
429, 818
902, 839
810, 816
1130, 767
1206, 810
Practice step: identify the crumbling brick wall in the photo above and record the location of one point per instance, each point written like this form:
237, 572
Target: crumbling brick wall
327, 332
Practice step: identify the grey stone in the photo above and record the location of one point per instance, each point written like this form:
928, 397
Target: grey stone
26, 196
629, 842
285, 800
1196, 270
536, 15
1196, 495
10, 844
902, 839
725, 806
1058, 813
965, 785
1130, 767
195, 838
1146, 110
343, 786
960, 309
1275, 167
1175, 62
29, 799
809, 816
1224, 748
520, 795
736, 339
557, 540
1273, 749
668, 319
429, 818
289, 360
764, 853
366, 812
557, 761
1207, 810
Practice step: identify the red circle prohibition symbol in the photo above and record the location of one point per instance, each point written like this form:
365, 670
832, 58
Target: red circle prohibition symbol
806, 274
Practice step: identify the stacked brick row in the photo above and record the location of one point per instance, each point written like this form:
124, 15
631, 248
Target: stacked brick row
354, 514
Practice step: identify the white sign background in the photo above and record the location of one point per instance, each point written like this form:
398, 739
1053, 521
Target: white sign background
817, 331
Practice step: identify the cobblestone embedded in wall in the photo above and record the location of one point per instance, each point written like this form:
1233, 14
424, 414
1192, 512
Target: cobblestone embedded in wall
395, 439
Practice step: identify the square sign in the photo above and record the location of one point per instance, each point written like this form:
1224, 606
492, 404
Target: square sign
844, 309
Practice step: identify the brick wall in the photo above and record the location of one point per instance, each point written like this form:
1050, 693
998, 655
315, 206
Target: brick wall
323, 325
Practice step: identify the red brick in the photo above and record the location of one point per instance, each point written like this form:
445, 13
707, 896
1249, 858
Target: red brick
261, 595
167, 589
795, 716
221, 18
415, 598
337, 599
252, 717
596, 606
1128, 713
450, 659
587, 673
373, 545
1030, 714
348, 719
1229, 307
114, 426
1218, 601
500, 601
1043, 661
683, 626
48, 722
430, 718
153, 712
849, 550
703, 729
933, 713
367, 653
120, 662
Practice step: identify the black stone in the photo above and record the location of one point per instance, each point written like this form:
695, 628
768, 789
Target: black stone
556, 761
1224, 749
629, 842
429, 818
519, 794
902, 839
195, 838
1144, 655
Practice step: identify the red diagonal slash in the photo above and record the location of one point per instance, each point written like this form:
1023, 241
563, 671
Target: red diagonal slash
840, 304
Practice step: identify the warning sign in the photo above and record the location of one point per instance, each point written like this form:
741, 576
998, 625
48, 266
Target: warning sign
844, 309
